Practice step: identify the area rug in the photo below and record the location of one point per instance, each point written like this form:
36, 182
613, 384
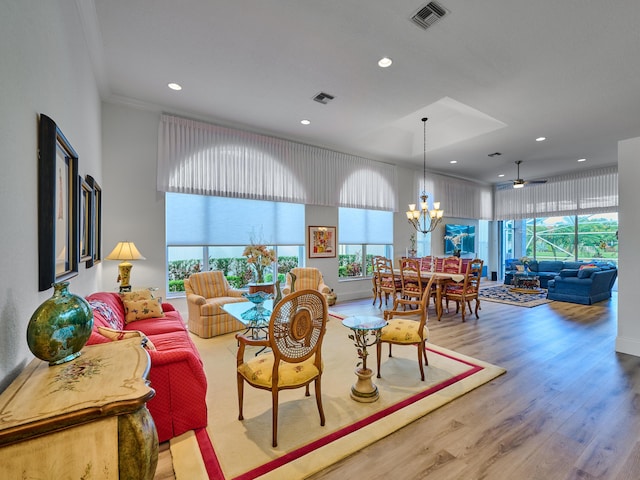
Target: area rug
241, 450
502, 294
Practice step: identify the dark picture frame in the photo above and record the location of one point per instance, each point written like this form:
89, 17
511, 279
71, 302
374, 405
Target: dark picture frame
96, 221
58, 246
322, 242
86, 220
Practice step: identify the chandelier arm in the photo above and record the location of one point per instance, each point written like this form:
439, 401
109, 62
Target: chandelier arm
415, 215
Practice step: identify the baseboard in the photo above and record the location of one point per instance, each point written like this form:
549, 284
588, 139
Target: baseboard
630, 346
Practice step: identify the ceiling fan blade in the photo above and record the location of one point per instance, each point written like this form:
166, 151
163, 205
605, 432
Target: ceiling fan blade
535, 181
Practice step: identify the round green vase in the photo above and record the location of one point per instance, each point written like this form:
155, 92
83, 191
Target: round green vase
60, 327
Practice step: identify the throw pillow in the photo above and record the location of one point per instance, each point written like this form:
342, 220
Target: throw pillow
586, 271
568, 273
106, 312
141, 309
136, 295
520, 268
115, 335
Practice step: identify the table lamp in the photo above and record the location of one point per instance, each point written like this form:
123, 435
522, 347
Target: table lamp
125, 251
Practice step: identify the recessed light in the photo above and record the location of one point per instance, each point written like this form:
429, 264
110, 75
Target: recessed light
305, 122
541, 139
582, 159
385, 62
501, 175
453, 161
174, 86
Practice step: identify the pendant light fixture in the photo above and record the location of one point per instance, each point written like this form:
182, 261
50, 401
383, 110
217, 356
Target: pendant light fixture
424, 220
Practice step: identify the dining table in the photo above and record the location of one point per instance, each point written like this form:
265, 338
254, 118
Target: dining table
440, 281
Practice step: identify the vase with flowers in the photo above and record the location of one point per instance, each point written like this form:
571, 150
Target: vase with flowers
456, 240
525, 262
259, 257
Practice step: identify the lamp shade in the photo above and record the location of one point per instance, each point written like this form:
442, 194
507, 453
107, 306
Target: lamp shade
125, 251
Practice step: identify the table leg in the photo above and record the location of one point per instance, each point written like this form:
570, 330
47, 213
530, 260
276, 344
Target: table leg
439, 300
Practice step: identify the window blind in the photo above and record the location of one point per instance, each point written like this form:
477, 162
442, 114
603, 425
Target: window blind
207, 220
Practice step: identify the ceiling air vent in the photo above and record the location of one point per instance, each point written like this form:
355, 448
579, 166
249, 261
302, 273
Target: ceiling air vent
323, 98
428, 15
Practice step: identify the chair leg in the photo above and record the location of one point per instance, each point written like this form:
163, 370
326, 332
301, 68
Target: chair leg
477, 307
319, 400
306, 392
462, 308
420, 352
378, 355
240, 396
274, 417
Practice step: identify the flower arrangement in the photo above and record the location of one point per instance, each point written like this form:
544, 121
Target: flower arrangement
525, 261
456, 239
259, 257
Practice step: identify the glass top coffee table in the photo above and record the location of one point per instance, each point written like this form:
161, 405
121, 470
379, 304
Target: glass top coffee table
526, 282
255, 319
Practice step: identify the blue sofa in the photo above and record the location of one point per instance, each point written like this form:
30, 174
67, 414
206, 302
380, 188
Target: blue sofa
546, 270
585, 286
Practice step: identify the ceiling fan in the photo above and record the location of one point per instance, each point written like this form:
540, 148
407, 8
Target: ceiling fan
519, 182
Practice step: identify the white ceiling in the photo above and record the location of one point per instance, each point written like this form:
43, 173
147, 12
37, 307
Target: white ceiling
491, 76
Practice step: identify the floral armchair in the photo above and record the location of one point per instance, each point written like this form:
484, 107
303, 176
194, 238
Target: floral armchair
306, 278
206, 293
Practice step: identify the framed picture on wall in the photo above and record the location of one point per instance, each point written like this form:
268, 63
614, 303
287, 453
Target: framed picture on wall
86, 218
58, 205
322, 242
96, 222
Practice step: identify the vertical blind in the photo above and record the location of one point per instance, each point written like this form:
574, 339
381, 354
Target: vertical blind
206, 220
582, 193
458, 198
364, 227
206, 159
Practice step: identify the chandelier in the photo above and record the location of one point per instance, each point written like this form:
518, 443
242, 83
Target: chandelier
424, 220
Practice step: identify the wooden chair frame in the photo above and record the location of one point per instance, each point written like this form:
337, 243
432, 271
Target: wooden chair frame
296, 330
422, 311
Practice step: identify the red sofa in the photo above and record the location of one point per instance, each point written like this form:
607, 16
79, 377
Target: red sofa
176, 372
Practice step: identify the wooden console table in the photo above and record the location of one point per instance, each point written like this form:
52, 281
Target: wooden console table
86, 418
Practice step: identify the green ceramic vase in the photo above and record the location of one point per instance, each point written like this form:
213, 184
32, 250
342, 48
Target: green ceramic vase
60, 327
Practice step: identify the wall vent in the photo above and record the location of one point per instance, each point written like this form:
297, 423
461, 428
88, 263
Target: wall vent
323, 98
428, 15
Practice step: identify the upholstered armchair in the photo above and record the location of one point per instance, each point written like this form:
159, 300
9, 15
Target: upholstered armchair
306, 278
206, 293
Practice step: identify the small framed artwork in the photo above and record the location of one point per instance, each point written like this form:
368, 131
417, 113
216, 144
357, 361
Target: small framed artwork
58, 225
96, 222
322, 242
86, 220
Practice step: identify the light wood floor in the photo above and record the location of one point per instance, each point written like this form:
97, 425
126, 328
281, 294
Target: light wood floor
567, 408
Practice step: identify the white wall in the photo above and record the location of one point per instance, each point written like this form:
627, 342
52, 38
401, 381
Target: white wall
44, 68
133, 209
628, 340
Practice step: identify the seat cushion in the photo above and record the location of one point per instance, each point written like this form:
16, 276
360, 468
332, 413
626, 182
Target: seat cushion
259, 371
214, 305
403, 331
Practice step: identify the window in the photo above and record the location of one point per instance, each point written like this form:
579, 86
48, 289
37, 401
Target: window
583, 237
210, 233
362, 234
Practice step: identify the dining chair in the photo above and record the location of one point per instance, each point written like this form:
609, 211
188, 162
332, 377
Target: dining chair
390, 285
411, 281
463, 293
451, 265
375, 279
296, 330
426, 264
407, 327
